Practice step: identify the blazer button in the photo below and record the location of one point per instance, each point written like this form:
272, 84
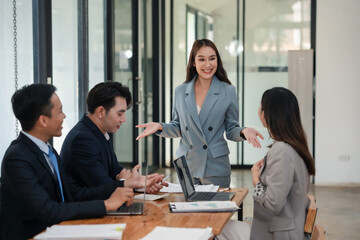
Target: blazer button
186, 128
205, 147
190, 146
210, 128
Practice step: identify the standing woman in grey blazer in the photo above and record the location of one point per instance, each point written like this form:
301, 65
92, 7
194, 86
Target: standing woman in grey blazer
282, 178
205, 106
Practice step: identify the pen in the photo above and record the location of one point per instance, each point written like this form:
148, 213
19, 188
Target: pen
165, 178
223, 190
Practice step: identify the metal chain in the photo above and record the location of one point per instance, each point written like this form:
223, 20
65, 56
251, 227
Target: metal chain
15, 61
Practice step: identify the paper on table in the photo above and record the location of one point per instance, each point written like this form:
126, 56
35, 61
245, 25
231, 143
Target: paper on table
150, 197
172, 188
165, 233
94, 231
176, 188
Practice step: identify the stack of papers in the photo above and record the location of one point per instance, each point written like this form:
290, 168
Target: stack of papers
166, 233
176, 188
95, 231
210, 206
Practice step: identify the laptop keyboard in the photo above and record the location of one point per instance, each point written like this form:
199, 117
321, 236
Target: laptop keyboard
135, 207
203, 195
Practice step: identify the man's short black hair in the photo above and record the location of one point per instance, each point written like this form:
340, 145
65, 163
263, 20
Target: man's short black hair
103, 94
30, 102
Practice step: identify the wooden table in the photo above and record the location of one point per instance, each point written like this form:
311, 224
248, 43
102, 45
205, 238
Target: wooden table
156, 213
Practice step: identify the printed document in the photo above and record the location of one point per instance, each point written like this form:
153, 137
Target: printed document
91, 231
176, 188
150, 197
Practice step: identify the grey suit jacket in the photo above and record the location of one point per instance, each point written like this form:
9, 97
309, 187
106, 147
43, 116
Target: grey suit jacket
279, 211
202, 135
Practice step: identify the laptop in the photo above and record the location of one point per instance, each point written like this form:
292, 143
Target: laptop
136, 208
188, 188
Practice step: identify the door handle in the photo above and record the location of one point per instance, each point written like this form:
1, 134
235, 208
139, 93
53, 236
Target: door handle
140, 91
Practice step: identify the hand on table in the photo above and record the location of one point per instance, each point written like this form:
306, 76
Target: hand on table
118, 198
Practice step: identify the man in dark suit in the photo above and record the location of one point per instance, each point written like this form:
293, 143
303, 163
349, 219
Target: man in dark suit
88, 151
35, 190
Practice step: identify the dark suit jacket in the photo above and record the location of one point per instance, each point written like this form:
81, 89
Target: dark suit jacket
31, 196
88, 157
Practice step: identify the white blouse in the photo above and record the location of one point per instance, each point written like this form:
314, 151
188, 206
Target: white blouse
198, 108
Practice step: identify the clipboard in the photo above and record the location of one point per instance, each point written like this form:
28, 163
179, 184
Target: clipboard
208, 206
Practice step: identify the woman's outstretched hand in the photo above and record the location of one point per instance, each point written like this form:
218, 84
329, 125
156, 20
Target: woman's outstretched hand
150, 128
251, 135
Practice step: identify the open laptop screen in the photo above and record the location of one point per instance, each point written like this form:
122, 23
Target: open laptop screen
184, 175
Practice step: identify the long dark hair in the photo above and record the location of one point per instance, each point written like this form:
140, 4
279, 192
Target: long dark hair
191, 70
282, 117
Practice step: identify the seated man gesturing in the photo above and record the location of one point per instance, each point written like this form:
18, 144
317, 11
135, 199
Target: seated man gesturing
88, 151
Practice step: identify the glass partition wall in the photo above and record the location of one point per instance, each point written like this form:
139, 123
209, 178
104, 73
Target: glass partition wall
134, 66
123, 55
65, 50
271, 29
65, 62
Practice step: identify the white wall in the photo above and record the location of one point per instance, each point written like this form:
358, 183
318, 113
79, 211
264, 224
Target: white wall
337, 128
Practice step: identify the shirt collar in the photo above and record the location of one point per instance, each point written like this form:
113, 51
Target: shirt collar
43, 146
107, 136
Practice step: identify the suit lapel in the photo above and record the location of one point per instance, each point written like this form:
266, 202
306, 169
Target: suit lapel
40, 155
210, 100
93, 128
264, 165
191, 103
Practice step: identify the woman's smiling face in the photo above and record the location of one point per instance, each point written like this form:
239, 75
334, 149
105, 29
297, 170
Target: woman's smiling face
205, 63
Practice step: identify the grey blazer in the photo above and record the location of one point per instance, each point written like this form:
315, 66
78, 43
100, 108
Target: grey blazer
279, 210
202, 135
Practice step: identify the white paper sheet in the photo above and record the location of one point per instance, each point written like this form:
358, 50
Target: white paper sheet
91, 231
172, 188
166, 233
176, 188
150, 197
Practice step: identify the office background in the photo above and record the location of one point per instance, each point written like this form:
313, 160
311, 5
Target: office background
144, 44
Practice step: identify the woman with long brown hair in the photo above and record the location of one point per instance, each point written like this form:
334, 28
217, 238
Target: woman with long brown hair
282, 178
205, 106
281, 187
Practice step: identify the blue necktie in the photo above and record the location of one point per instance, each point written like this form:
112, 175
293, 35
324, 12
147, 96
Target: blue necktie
53, 161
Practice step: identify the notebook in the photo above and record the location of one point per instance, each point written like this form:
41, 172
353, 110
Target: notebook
136, 208
188, 188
